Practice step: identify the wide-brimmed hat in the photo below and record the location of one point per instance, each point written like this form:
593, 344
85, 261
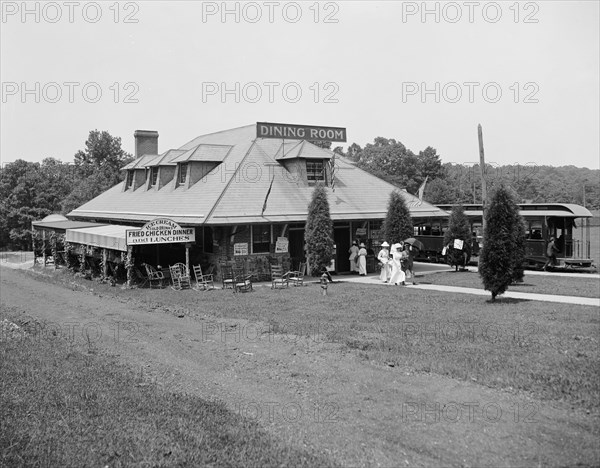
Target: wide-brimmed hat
396, 246
354, 243
362, 244
385, 244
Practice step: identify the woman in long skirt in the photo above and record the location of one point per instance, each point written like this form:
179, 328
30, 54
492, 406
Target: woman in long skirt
362, 260
398, 276
353, 251
384, 260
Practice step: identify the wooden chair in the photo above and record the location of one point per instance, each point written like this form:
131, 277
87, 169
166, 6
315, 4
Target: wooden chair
142, 280
279, 279
180, 277
297, 277
227, 276
205, 282
242, 282
155, 277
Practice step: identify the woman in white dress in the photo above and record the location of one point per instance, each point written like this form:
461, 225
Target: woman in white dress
362, 260
353, 251
384, 259
398, 276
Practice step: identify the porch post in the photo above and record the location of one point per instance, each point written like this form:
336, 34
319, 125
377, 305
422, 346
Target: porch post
129, 266
104, 263
44, 246
187, 257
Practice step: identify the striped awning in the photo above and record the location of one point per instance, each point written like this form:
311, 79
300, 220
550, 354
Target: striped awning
109, 236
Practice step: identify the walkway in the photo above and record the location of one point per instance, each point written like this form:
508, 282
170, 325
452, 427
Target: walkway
421, 269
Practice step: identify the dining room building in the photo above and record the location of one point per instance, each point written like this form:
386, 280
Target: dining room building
246, 198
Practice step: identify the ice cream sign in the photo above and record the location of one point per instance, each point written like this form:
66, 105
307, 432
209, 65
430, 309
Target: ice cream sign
160, 231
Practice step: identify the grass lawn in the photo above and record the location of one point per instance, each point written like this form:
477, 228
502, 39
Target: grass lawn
539, 284
61, 405
550, 350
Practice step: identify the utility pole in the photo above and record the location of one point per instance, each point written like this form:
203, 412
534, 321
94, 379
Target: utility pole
482, 173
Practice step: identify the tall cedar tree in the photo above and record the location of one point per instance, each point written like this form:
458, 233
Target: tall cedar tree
397, 225
458, 228
319, 231
519, 252
497, 260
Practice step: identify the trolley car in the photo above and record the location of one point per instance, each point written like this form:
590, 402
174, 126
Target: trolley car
542, 220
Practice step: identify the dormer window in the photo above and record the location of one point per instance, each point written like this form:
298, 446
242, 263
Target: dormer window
183, 168
315, 172
153, 176
130, 177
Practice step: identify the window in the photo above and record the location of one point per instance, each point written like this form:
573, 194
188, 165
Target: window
129, 182
153, 176
261, 238
183, 172
315, 170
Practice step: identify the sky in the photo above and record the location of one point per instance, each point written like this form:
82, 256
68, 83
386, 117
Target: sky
423, 73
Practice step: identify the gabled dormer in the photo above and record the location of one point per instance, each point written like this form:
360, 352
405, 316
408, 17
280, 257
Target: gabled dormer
308, 164
195, 163
136, 172
161, 170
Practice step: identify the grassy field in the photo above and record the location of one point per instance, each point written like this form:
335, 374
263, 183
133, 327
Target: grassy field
538, 284
84, 409
550, 350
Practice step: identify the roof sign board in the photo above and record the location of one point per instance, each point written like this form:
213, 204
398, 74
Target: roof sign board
160, 231
299, 132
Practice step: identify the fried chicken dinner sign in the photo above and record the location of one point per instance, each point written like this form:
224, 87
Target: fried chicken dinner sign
160, 231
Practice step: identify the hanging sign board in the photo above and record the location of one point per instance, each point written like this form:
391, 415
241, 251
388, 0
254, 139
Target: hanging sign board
282, 244
458, 244
160, 231
240, 248
361, 231
299, 132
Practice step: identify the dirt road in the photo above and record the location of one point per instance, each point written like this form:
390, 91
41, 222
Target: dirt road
316, 394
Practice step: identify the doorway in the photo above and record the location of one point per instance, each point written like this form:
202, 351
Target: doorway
341, 237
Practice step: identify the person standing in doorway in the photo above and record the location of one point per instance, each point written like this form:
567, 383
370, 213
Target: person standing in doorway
362, 260
353, 251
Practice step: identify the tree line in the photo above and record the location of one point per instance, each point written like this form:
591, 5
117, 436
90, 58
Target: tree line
449, 183
29, 191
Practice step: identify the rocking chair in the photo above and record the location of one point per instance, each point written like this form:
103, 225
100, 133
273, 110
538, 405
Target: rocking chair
205, 282
180, 277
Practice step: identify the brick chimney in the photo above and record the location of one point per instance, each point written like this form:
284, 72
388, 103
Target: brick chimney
146, 142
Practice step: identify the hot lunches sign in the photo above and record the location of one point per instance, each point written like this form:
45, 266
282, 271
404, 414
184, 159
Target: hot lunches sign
160, 231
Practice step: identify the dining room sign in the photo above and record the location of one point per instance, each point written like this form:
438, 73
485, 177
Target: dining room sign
160, 231
299, 132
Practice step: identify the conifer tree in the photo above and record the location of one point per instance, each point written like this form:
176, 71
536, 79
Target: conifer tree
497, 260
397, 225
318, 233
458, 228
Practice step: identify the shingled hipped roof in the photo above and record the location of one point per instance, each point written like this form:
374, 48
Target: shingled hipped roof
234, 192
